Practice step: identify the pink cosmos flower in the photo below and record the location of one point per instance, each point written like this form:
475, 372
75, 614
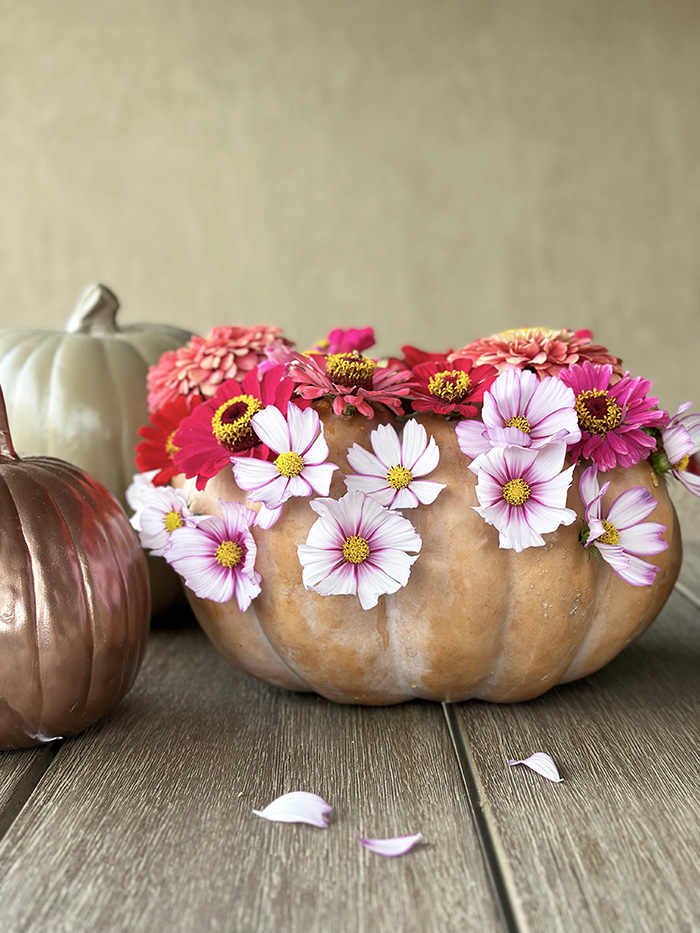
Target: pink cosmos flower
350, 381
450, 388
216, 557
345, 341
533, 411
612, 418
543, 351
222, 426
162, 511
623, 534
357, 547
299, 469
389, 474
680, 441
522, 492
204, 363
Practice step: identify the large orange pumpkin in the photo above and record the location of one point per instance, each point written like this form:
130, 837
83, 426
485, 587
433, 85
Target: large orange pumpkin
74, 598
473, 621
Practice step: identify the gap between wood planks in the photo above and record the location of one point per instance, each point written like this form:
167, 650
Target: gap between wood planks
27, 784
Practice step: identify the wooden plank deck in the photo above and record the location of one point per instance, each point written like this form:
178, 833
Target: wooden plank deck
145, 823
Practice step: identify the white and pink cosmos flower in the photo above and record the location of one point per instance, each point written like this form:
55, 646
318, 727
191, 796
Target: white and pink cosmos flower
162, 511
623, 536
300, 467
681, 442
216, 556
392, 474
521, 410
522, 492
357, 547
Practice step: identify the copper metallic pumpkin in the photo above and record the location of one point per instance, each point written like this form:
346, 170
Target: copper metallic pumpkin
74, 598
474, 620
80, 394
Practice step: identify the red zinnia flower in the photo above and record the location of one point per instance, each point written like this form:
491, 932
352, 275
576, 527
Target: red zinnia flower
453, 388
612, 417
221, 426
412, 356
157, 450
545, 352
204, 363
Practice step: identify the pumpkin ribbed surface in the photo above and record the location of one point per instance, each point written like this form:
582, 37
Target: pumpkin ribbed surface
474, 620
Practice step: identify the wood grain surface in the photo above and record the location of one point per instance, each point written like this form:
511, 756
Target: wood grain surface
615, 845
145, 822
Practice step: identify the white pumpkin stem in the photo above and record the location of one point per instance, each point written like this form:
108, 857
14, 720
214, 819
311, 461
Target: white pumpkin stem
95, 313
7, 448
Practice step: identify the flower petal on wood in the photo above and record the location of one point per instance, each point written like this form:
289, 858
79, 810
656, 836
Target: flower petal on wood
297, 807
542, 763
397, 845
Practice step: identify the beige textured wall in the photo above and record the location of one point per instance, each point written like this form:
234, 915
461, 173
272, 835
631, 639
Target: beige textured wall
440, 169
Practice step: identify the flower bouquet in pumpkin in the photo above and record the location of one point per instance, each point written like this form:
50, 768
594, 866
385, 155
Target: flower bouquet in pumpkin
486, 522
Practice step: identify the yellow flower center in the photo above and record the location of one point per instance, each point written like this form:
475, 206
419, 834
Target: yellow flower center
611, 536
170, 448
173, 521
519, 422
516, 491
355, 549
452, 386
351, 370
597, 412
231, 423
682, 463
289, 463
399, 477
229, 554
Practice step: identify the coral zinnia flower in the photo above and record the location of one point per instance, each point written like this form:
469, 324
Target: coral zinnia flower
216, 557
522, 492
222, 426
350, 381
204, 363
450, 388
157, 450
546, 352
623, 533
612, 417
680, 443
300, 467
389, 474
532, 411
357, 547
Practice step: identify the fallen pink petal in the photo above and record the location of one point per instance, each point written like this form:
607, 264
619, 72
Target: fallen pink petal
297, 807
397, 845
542, 763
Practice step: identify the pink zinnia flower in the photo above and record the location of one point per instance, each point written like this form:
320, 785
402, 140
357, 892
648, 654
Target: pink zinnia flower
216, 557
350, 381
156, 450
523, 410
454, 388
545, 352
612, 417
300, 467
222, 426
204, 363
389, 475
680, 441
345, 341
522, 492
623, 534
357, 547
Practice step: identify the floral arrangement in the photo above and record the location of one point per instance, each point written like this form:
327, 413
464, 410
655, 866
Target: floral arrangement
528, 407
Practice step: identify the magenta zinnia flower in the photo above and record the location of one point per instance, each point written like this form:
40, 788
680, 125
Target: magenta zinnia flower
536, 410
522, 492
357, 547
612, 417
346, 340
680, 441
216, 557
623, 536
454, 388
222, 426
543, 351
390, 474
204, 363
300, 467
349, 381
